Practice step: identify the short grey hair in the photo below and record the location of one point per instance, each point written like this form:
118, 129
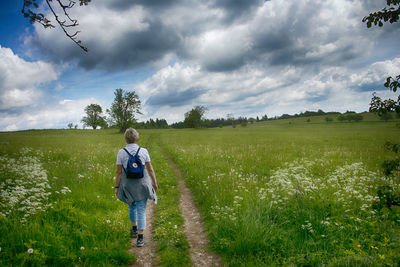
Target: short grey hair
131, 136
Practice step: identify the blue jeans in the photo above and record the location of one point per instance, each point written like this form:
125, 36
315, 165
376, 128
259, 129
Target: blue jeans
137, 213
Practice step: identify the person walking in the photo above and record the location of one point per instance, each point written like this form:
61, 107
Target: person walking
135, 189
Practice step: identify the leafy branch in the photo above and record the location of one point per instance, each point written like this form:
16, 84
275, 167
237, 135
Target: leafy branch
390, 14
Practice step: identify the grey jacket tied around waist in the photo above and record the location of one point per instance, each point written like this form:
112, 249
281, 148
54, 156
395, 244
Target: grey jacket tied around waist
131, 190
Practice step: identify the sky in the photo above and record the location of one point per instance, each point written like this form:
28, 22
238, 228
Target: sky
240, 57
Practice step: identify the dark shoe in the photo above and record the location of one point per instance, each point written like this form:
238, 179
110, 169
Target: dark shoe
134, 231
140, 241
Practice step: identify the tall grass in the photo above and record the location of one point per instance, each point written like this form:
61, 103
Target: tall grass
79, 221
296, 194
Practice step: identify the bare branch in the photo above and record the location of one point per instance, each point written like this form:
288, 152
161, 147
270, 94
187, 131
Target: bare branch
63, 24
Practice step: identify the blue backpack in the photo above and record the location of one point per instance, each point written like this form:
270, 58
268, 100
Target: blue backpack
135, 168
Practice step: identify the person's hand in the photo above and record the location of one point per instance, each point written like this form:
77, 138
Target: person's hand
155, 187
116, 191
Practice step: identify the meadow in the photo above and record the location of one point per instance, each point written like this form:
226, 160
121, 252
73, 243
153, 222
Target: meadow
286, 192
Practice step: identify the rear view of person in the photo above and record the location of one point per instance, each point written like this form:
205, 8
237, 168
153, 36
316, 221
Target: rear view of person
135, 188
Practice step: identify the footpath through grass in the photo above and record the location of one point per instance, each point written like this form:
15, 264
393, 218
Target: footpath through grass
172, 245
293, 194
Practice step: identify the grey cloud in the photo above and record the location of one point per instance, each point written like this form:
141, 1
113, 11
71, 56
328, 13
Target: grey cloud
132, 50
155, 4
285, 36
236, 9
174, 98
370, 87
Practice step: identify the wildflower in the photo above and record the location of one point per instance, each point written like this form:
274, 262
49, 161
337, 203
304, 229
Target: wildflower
108, 221
30, 250
82, 248
175, 226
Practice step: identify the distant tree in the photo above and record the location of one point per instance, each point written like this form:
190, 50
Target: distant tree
70, 125
341, 117
194, 116
93, 116
76, 126
123, 109
354, 117
386, 117
60, 10
178, 125
231, 119
257, 119
252, 120
264, 118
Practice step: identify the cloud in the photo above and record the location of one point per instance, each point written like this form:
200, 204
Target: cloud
220, 36
57, 114
19, 80
242, 57
256, 91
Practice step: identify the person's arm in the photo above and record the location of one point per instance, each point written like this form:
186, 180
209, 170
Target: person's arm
150, 170
118, 176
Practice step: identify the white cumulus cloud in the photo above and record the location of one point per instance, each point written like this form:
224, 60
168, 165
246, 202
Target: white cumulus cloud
19, 80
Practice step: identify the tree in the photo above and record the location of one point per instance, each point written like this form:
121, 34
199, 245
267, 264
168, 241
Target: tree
123, 109
390, 14
387, 195
94, 116
194, 116
231, 119
63, 20
70, 125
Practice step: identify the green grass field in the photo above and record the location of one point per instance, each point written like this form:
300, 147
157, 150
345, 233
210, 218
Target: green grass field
285, 192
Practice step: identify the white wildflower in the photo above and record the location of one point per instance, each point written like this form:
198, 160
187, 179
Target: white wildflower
30, 250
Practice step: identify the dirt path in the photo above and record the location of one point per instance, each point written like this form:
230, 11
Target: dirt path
194, 227
147, 256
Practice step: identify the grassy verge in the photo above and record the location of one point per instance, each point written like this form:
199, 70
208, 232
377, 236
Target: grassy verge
172, 246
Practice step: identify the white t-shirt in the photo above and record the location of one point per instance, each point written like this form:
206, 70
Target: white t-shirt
122, 156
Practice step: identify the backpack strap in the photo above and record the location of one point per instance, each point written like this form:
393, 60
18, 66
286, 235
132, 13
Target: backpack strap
128, 152
137, 152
